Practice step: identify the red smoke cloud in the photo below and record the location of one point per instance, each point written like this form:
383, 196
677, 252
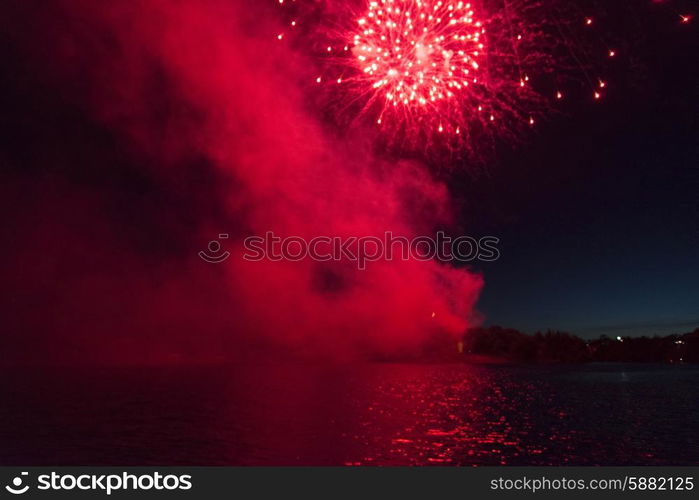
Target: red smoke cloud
205, 84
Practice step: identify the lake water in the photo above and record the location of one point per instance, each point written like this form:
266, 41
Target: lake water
368, 414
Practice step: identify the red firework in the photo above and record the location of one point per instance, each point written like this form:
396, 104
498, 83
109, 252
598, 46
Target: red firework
443, 74
418, 55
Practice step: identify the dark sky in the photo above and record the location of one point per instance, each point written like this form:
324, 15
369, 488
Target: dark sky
598, 215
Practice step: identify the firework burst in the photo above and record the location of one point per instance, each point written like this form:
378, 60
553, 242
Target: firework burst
444, 75
418, 55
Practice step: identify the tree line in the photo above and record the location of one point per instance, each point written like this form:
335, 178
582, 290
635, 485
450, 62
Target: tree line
563, 347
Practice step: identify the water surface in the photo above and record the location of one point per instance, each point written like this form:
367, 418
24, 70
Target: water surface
368, 414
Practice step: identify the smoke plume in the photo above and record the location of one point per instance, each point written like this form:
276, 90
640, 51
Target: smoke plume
161, 124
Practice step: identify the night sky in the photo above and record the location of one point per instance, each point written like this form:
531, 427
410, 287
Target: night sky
103, 198
598, 215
